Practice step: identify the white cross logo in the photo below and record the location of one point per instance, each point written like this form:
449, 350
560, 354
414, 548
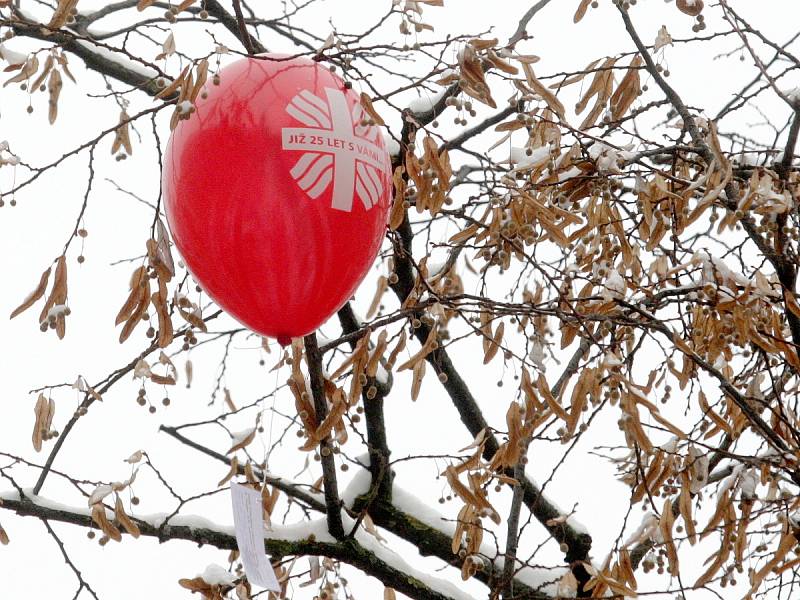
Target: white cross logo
336, 147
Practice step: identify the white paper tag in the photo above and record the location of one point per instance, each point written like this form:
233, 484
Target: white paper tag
248, 520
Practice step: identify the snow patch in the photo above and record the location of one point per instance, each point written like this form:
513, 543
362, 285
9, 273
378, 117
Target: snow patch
217, 575
425, 103
119, 59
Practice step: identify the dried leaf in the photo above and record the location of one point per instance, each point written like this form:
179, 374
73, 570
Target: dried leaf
380, 289
581, 11
231, 472
627, 91
27, 71
40, 410
193, 319
195, 585
398, 211
99, 517
137, 281
201, 78
662, 39
121, 135
419, 373
35, 295
62, 13
135, 457
165, 330
366, 104
124, 520
549, 97
48, 65
168, 47
242, 439
54, 85
494, 344
228, 400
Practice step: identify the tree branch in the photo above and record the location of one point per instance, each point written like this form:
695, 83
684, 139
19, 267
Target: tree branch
234, 25
379, 452
288, 488
243, 33
520, 33
350, 551
332, 502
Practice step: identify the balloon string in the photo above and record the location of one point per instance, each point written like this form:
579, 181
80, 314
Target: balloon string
271, 422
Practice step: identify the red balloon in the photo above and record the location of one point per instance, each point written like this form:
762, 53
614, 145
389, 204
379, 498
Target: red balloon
277, 191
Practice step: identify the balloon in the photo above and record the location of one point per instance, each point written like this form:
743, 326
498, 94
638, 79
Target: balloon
277, 190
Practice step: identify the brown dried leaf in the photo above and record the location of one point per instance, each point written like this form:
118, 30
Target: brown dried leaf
665, 525
62, 60
383, 284
175, 85
472, 80
201, 78
375, 358
366, 104
193, 319
99, 517
549, 97
685, 503
494, 343
35, 295
162, 379
599, 86
582, 8
627, 91
167, 48
48, 65
61, 14
419, 373
401, 344
41, 409
229, 401
124, 520
197, 584
398, 212
231, 472
54, 85
58, 293
27, 71
465, 234
122, 135
3, 536
165, 331
249, 436
501, 63
144, 4
480, 44
788, 541
426, 349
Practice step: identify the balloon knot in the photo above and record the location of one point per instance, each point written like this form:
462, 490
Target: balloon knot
284, 340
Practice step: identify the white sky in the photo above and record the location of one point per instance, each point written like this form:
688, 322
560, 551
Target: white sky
33, 233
